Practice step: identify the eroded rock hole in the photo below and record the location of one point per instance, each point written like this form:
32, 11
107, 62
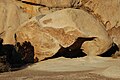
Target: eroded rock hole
72, 51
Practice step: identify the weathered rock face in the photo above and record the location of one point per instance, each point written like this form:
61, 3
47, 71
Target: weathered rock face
35, 7
63, 28
11, 18
44, 44
115, 34
107, 10
27, 8
101, 8
56, 3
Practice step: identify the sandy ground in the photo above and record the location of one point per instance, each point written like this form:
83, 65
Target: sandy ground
96, 68
44, 75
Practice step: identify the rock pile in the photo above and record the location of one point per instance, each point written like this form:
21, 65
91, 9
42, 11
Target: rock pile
48, 25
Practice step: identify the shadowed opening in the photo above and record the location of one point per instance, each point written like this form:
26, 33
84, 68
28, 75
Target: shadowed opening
13, 57
72, 51
111, 51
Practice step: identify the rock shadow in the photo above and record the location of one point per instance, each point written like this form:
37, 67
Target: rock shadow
72, 51
15, 57
111, 51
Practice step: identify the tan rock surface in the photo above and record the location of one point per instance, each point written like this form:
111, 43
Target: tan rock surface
9, 20
115, 34
44, 44
107, 10
77, 23
56, 3
50, 31
34, 9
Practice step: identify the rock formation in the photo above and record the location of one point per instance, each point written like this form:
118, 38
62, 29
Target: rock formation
73, 51
71, 24
103, 10
62, 28
108, 13
106, 10
11, 18
44, 44
55, 3
115, 34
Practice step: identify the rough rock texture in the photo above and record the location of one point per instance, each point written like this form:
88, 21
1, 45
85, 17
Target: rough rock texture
44, 44
28, 8
56, 3
107, 10
37, 7
63, 28
115, 34
11, 18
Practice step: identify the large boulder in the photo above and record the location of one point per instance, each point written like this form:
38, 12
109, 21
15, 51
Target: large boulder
44, 44
63, 27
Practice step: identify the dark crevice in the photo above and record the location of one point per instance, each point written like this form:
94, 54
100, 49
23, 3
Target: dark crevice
111, 51
72, 51
35, 4
64, 52
15, 57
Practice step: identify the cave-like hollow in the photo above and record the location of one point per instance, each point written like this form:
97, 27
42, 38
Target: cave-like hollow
75, 51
